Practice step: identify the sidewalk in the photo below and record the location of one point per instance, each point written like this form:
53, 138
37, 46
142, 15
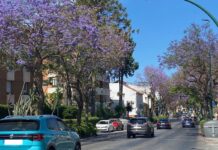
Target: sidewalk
211, 143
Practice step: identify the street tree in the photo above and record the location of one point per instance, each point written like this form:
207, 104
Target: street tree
195, 55
31, 32
157, 81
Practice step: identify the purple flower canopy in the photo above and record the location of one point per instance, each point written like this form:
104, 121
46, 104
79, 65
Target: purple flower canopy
34, 29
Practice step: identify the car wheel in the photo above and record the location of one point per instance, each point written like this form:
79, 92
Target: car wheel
51, 148
134, 136
77, 147
152, 134
128, 136
110, 129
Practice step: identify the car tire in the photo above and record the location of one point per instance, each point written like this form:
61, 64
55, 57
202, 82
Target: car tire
77, 147
134, 136
128, 136
152, 134
51, 148
110, 129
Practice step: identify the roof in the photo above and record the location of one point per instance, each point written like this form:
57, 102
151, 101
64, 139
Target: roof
133, 89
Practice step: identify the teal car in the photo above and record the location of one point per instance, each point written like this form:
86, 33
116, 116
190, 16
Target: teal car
46, 132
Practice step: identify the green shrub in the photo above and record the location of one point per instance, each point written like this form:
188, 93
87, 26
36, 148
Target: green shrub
202, 122
3, 111
84, 130
94, 120
70, 112
104, 113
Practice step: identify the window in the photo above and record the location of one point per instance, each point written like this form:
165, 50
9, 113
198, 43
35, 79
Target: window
19, 125
62, 126
52, 124
26, 88
9, 89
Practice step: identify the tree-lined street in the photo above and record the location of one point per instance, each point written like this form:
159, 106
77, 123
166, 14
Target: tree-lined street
177, 138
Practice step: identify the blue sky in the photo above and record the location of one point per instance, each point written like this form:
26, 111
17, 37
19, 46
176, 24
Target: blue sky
160, 22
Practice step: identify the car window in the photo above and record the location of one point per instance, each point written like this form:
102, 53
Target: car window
138, 121
19, 125
103, 122
62, 126
52, 124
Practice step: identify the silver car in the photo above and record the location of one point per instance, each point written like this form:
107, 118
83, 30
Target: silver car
140, 126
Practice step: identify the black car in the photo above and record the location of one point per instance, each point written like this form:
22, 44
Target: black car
140, 126
164, 124
188, 122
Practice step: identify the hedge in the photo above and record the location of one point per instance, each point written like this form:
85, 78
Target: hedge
85, 129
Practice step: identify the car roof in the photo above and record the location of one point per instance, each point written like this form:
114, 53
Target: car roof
37, 117
139, 118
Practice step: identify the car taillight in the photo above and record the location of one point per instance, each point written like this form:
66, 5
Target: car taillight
37, 137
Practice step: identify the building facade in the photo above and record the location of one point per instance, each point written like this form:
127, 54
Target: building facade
135, 95
102, 94
13, 84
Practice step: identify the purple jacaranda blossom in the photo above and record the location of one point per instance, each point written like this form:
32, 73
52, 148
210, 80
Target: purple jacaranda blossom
20, 62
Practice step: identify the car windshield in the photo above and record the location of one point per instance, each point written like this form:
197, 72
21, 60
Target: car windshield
188, 119
138, 121
19, 125
164, 120
103, 122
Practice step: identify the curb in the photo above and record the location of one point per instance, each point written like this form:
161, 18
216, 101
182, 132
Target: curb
101, 136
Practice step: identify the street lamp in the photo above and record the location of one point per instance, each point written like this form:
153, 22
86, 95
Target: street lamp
204, 10
209, 55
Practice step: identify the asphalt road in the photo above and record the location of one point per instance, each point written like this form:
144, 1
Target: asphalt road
177, 138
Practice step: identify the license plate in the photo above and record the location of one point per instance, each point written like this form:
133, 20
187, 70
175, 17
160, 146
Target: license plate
13, 142
137, 127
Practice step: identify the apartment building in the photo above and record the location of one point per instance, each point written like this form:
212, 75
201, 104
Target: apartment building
102, 93
14, 83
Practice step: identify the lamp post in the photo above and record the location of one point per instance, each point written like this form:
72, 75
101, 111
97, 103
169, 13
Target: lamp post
204, 10
209, 55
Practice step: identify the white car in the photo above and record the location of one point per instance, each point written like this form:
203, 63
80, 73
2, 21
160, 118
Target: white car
105, 125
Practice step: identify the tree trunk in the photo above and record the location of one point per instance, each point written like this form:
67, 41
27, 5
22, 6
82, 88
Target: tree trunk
92, 102
37, 82
121, 87
80, 102
93, 96
69, 94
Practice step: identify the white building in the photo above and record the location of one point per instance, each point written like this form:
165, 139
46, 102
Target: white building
136, 95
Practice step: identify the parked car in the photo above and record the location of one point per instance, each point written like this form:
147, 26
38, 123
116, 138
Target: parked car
37, 133
105, 125
164, 124
117, 124
188, 122
140, 126
124, 122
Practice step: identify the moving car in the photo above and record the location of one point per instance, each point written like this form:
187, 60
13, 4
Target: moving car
105, 125
164, 124
140, 126
188, 122
44, 132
